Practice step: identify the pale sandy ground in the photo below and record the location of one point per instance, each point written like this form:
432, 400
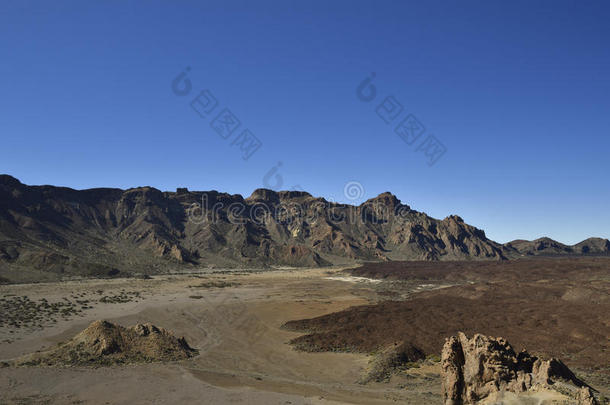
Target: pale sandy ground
245, 358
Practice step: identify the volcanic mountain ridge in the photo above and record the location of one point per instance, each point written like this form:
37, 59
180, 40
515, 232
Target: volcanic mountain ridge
48, 232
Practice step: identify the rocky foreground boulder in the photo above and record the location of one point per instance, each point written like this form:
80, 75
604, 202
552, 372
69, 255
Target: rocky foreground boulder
478, 368
103, 343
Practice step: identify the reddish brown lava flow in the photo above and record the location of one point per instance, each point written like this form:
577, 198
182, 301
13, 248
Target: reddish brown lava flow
553, 307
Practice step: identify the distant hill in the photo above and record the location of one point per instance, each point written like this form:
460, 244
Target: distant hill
48, 232
548, 246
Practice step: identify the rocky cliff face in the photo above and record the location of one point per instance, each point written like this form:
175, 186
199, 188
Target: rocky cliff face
46, 230
477, 368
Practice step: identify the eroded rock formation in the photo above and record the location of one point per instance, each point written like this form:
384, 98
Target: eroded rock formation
473, 369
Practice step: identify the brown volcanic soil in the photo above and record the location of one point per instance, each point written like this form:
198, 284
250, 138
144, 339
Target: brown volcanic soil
531, 269
552, 307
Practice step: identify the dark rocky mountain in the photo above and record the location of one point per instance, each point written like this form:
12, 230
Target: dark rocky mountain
48, 231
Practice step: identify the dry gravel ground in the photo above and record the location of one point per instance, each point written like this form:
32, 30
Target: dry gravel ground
235, 321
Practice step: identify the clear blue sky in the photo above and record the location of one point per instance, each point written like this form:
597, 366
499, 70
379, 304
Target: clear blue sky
517, 91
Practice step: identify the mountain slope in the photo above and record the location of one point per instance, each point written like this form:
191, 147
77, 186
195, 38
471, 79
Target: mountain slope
47, 230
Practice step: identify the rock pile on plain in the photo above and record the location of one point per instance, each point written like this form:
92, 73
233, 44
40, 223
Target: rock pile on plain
104, 343
391, 359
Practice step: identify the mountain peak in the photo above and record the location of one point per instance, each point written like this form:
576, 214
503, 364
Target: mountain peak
454, 218
264, 194
385, 198
8, 180
271, 196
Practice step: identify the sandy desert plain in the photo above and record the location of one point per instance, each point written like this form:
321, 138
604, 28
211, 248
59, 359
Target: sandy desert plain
307, 336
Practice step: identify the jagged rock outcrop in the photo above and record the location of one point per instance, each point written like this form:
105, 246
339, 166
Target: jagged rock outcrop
473, 369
